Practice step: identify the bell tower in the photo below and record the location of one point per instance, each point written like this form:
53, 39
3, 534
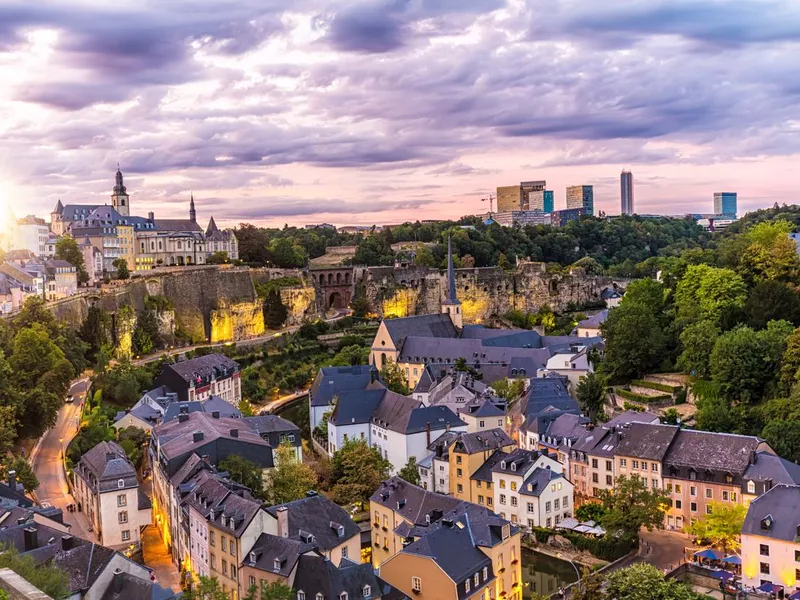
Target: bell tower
119, 199
452, 305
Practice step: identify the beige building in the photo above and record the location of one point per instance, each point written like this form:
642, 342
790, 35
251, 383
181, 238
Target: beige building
471, 458
440, 548
528, 195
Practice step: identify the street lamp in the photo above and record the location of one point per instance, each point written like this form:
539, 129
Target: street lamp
61, 443
574, 566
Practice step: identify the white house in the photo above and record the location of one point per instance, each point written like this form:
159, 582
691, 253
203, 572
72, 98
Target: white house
483, 414
398, 426
770, 533
107, 489
590, 327
573, 364
330, 383
434, 469
521, 482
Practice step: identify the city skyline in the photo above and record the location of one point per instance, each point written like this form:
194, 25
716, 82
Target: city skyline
377, 112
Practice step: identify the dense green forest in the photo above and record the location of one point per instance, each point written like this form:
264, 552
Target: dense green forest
620, 245
728, 315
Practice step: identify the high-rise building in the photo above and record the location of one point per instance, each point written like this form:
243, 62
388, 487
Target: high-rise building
528, 195
626, 192
549, 201
725, 203
581, 196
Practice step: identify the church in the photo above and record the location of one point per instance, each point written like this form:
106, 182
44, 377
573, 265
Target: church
143, 242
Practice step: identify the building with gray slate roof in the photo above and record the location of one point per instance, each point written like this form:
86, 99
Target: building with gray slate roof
332, 382
771, 539
203, 376
107, 490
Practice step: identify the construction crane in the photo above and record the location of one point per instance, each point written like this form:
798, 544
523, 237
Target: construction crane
490, 200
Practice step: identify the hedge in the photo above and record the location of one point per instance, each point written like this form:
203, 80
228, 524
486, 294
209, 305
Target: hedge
542, 534
652, 385
608, 547
628, 395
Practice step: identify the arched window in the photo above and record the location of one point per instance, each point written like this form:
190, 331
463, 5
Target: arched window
383, 359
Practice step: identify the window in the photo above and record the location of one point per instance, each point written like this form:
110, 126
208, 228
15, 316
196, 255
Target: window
485, 573
709, 493
693, 491
513, 486
678, 504
233, 571
459, 473
549, 522
751, 487
466, 585
595, 478
594, 463
513, 500
458, 459
224, 543
502, 498
547, 506
644, 465
224, 567
765, 568
556, 504
476, 580
121, 483
503, 484
126, 535
763, 549
565, 502
797, 556
708, 509
678, 488
693, 506
367, 591
213, 561
122, 500
123, 516
608, 465
460, 488
530, 507
623, 462
655, 484
654, 467
480, 499
319, 596
416, 584
252, 581
344, 551
724, 494
343, 596
479, 484
635, 464
609, 480
481, 424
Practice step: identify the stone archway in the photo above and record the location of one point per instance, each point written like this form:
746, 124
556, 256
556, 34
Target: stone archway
336, 300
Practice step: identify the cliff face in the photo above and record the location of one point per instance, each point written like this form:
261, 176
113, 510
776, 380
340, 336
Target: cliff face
221, 304
483, 292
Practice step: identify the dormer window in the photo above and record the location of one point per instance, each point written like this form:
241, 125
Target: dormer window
340, 531
766, 523
343, 596
513, 466
751, 487
276, 565
120, 483
502, 464
253, 557
367, 591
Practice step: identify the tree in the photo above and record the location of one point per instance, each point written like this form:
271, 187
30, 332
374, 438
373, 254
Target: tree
409, 472
67, 249
671, 416
589, 587
205, 588
722, 527
631, 505
790, 362
245, 472
275, 312
34, 354
357, 471
146, 335
133, 440
590, 511
290, 479
784, 438
219, 257
635, 341
709, 293
744, 361
50, 579
275, 590
9, 425
360, 306
423, 257
350, 355
503, 262
643, 581
589, 265
393, 378
121, 265
771, 301
697, 341
591, 393
24, 473
509, 389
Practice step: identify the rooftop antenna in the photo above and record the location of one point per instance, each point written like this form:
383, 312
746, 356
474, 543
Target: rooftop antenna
490, 200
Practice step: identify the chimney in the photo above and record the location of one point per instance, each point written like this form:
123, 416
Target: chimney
283, 522
151, 216
753, 457
183, 417
235, 432
12, 479
116, 581
197, 436
215, 414
427, 435
21, 521
66, 542
31, 537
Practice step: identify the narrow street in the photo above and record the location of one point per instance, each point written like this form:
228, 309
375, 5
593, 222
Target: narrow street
46, 460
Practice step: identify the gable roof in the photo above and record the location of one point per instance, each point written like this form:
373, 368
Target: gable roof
538, 481
204, 367
317, 575
491, 439
412, 502
270, 547
320, 517
724, 452
356, 407
771, 468
216, 501
781, 505
107, 464
333, 381
433, 326
647, 441
178, 225
594, 321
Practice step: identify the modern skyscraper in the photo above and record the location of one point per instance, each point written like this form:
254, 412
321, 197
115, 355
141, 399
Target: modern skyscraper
549, 201
581, 196
626, 192
528, 195
725, 203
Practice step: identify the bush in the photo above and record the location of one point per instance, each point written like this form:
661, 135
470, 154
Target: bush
633, 407
628, 395
542, 534
652, 385
608, 547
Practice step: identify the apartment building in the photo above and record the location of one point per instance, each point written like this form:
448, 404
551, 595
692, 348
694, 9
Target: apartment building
471, 458
198, 378
770, 533
107, 490
530, 490
641, 451
438, 547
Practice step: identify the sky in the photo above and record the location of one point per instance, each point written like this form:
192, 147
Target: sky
381, 111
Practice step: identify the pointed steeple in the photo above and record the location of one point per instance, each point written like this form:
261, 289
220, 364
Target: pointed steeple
451, 305
59, 209
451, 277
192, 211
212, 226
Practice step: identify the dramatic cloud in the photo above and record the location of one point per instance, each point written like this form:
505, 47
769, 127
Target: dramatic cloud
390, 109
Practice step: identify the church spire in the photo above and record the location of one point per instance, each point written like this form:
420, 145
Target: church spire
192, 211
451, 305
119, 198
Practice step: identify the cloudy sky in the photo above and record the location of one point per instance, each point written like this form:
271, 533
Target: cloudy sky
275, 112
